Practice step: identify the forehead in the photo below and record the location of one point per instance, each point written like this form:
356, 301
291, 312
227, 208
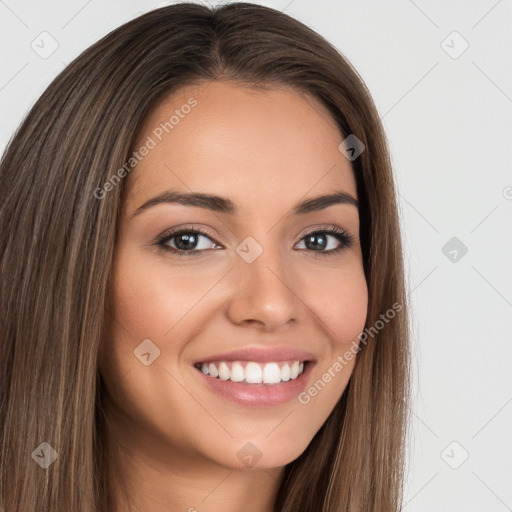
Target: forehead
223, 138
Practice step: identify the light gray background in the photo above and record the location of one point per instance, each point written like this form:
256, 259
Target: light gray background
447, 115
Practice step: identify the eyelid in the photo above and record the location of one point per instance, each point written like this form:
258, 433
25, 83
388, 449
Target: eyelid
321, 228
172, 232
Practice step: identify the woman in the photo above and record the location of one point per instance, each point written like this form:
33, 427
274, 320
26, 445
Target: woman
203, 302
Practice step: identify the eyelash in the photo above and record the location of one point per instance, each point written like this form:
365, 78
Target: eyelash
342, 236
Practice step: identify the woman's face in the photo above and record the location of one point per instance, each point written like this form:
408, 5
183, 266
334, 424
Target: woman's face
258, 278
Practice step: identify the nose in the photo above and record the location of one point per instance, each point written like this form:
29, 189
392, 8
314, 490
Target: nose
265, 292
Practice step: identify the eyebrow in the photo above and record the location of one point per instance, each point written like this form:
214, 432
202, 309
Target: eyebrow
224, 205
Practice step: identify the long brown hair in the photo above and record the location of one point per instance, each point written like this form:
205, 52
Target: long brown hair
57, 242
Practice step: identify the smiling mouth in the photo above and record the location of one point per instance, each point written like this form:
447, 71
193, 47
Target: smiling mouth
251, 372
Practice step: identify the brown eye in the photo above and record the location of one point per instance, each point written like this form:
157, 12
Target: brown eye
186, 241
318, 241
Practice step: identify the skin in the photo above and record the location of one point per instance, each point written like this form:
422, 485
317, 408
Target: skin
175, 440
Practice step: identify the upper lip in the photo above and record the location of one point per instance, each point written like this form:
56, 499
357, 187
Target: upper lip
263, 355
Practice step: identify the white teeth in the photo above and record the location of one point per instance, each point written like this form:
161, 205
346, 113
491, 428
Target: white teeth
254, 373
224, 372
294, 370
285, 372
237, 372
213, 370
271, 373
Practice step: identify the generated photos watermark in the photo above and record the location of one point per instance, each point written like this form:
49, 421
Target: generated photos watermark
344, 359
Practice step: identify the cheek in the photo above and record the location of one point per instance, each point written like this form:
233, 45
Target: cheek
341, 303
342, 312
150, 299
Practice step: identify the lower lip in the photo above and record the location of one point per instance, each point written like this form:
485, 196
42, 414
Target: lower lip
259, 395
